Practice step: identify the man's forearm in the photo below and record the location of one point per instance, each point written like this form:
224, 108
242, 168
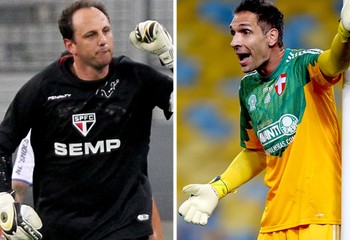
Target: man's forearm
20, 188
244, 167
156, 223
336, 59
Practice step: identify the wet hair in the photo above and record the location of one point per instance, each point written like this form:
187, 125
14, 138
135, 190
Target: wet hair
65, 20
269, 16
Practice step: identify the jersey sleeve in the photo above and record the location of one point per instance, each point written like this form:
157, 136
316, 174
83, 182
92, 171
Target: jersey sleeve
158, 86
319, 79
24, 162
19, 118
309, 63
14, 127
163, 96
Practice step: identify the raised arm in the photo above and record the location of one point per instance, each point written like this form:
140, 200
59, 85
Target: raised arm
152, 37
337, 59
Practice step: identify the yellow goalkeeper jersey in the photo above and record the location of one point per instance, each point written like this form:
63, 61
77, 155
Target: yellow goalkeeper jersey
292, 116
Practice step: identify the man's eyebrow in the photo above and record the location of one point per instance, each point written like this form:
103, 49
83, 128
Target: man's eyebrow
89, 32
241, 25
244, 25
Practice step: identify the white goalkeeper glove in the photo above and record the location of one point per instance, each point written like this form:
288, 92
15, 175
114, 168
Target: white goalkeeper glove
202, 201
152, 37
344, 26
18, 222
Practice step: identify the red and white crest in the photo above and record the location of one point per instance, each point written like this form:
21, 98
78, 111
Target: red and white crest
84, 122
281, 84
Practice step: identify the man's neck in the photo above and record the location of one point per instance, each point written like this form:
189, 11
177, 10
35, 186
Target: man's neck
88, 73
269, 67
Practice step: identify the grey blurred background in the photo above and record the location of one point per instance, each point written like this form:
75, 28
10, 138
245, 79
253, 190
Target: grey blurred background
30, 40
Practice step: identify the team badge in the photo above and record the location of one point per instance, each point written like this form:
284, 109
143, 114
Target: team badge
84, 122
252, 102
281, 84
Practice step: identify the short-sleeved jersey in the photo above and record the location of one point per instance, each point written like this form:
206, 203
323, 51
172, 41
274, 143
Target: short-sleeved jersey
24, 162
90, 141
291, 115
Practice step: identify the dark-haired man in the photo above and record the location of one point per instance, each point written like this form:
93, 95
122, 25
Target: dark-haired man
289, 127
90, 116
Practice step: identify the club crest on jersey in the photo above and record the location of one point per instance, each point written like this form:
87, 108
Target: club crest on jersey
252, 102
84, 122
281, 84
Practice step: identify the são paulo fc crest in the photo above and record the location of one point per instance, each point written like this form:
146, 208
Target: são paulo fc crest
281, 84
84, 122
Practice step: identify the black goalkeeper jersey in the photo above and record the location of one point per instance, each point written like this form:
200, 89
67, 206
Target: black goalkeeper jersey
90, 140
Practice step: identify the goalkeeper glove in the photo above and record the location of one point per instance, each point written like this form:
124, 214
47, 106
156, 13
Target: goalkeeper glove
152, 37
18, 222
201, 203
344, 25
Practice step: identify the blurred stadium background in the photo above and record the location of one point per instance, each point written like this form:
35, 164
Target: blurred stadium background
30, 40
208, 76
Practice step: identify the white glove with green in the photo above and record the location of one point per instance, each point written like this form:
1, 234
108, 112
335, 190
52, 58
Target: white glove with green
18, 222
152, 37
202, 201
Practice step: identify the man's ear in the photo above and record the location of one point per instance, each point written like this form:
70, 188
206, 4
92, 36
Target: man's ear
272, 36
70, 46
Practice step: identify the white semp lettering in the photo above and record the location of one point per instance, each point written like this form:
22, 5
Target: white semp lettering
86, 148
75, 149
60, 149
99, 147
112, 144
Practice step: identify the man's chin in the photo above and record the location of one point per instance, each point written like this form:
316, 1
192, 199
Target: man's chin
104, 62
245, 69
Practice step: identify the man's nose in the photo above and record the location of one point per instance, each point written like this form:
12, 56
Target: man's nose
236, 42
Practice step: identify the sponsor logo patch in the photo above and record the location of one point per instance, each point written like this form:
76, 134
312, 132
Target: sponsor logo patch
84, 122
285, 126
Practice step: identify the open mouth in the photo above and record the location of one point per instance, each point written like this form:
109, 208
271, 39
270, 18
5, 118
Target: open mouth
243, 58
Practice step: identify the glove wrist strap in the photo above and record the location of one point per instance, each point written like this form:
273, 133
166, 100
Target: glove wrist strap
166, 58
219, 186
